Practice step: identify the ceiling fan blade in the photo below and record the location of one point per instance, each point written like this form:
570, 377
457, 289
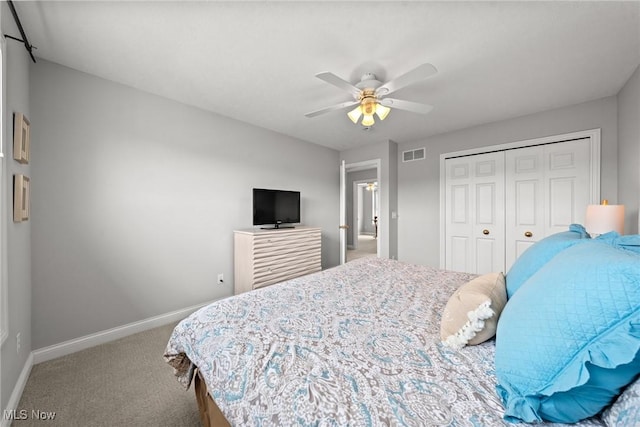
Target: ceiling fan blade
421, 72
340, 83
332, 108
400, 104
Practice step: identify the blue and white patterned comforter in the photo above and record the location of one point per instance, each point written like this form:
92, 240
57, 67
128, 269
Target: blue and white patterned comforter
355, 345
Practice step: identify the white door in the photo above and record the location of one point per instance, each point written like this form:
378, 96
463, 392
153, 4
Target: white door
525, 202
474, 210
548, 183
547, 189
568, 180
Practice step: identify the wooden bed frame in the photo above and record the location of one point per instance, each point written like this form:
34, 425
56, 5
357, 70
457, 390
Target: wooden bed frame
210, 414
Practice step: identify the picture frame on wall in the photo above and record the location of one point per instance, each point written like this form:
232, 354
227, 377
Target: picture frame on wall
21, 138
21, 197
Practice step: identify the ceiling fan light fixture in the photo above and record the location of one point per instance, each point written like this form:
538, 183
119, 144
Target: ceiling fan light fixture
368, 106
367, 93
382, 111
367, 120
355, 114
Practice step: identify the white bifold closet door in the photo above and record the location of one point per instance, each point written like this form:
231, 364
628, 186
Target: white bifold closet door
498, 204
474, 208
547, 189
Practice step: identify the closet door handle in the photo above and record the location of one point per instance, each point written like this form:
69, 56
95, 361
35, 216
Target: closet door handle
485, 232
528, 234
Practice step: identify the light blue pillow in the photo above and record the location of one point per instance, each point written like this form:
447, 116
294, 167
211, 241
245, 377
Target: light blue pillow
629, 242
568, 341
540, 253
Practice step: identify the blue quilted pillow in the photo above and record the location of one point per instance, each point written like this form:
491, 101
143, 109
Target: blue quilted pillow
569, 339
540, 253
630, 242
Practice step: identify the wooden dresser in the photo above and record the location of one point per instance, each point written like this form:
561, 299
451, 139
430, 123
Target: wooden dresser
265, 257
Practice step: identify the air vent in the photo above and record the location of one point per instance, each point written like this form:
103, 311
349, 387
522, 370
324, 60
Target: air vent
411, 155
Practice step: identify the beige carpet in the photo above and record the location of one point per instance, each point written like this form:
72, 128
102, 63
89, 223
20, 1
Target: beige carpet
122, 383
367, 246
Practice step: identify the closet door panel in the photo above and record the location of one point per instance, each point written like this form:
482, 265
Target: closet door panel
527, 198
459, 253
486, 204
527, 220
562, 209
458, 213
489, 224
460, 204
568, 180
499, 204
547, 189
474, 235
489, 256
524, 205
488, 220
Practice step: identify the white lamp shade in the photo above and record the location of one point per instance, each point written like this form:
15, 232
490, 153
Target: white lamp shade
602, 219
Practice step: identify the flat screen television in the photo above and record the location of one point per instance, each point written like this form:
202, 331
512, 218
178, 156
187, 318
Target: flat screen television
273, 208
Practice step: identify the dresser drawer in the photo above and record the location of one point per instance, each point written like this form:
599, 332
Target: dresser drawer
265, 257
269, 275
275, 242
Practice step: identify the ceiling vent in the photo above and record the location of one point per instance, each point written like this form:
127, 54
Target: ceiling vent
411, 155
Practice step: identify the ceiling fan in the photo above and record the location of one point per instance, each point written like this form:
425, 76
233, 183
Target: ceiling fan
370, 95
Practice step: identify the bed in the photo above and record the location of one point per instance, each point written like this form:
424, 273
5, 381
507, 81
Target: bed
355, 345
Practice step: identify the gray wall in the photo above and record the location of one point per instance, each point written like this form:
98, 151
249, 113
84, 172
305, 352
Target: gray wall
16, 237
419, 181
629, 151
135, 199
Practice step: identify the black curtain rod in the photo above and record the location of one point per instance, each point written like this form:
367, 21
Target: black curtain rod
24, 36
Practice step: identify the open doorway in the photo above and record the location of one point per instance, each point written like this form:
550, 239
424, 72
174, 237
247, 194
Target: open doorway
359, 232
366, 204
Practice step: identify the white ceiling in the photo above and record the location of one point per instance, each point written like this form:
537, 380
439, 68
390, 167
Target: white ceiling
256, 61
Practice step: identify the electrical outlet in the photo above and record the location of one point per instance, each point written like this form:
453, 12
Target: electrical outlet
220, 278
18, 342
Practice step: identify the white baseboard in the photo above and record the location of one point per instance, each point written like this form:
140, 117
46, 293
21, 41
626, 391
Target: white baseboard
14, 399
58, 350
64, 348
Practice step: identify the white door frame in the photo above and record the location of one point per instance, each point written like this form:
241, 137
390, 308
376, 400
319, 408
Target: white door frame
593, 134
356, 207
354, 167
343, 213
